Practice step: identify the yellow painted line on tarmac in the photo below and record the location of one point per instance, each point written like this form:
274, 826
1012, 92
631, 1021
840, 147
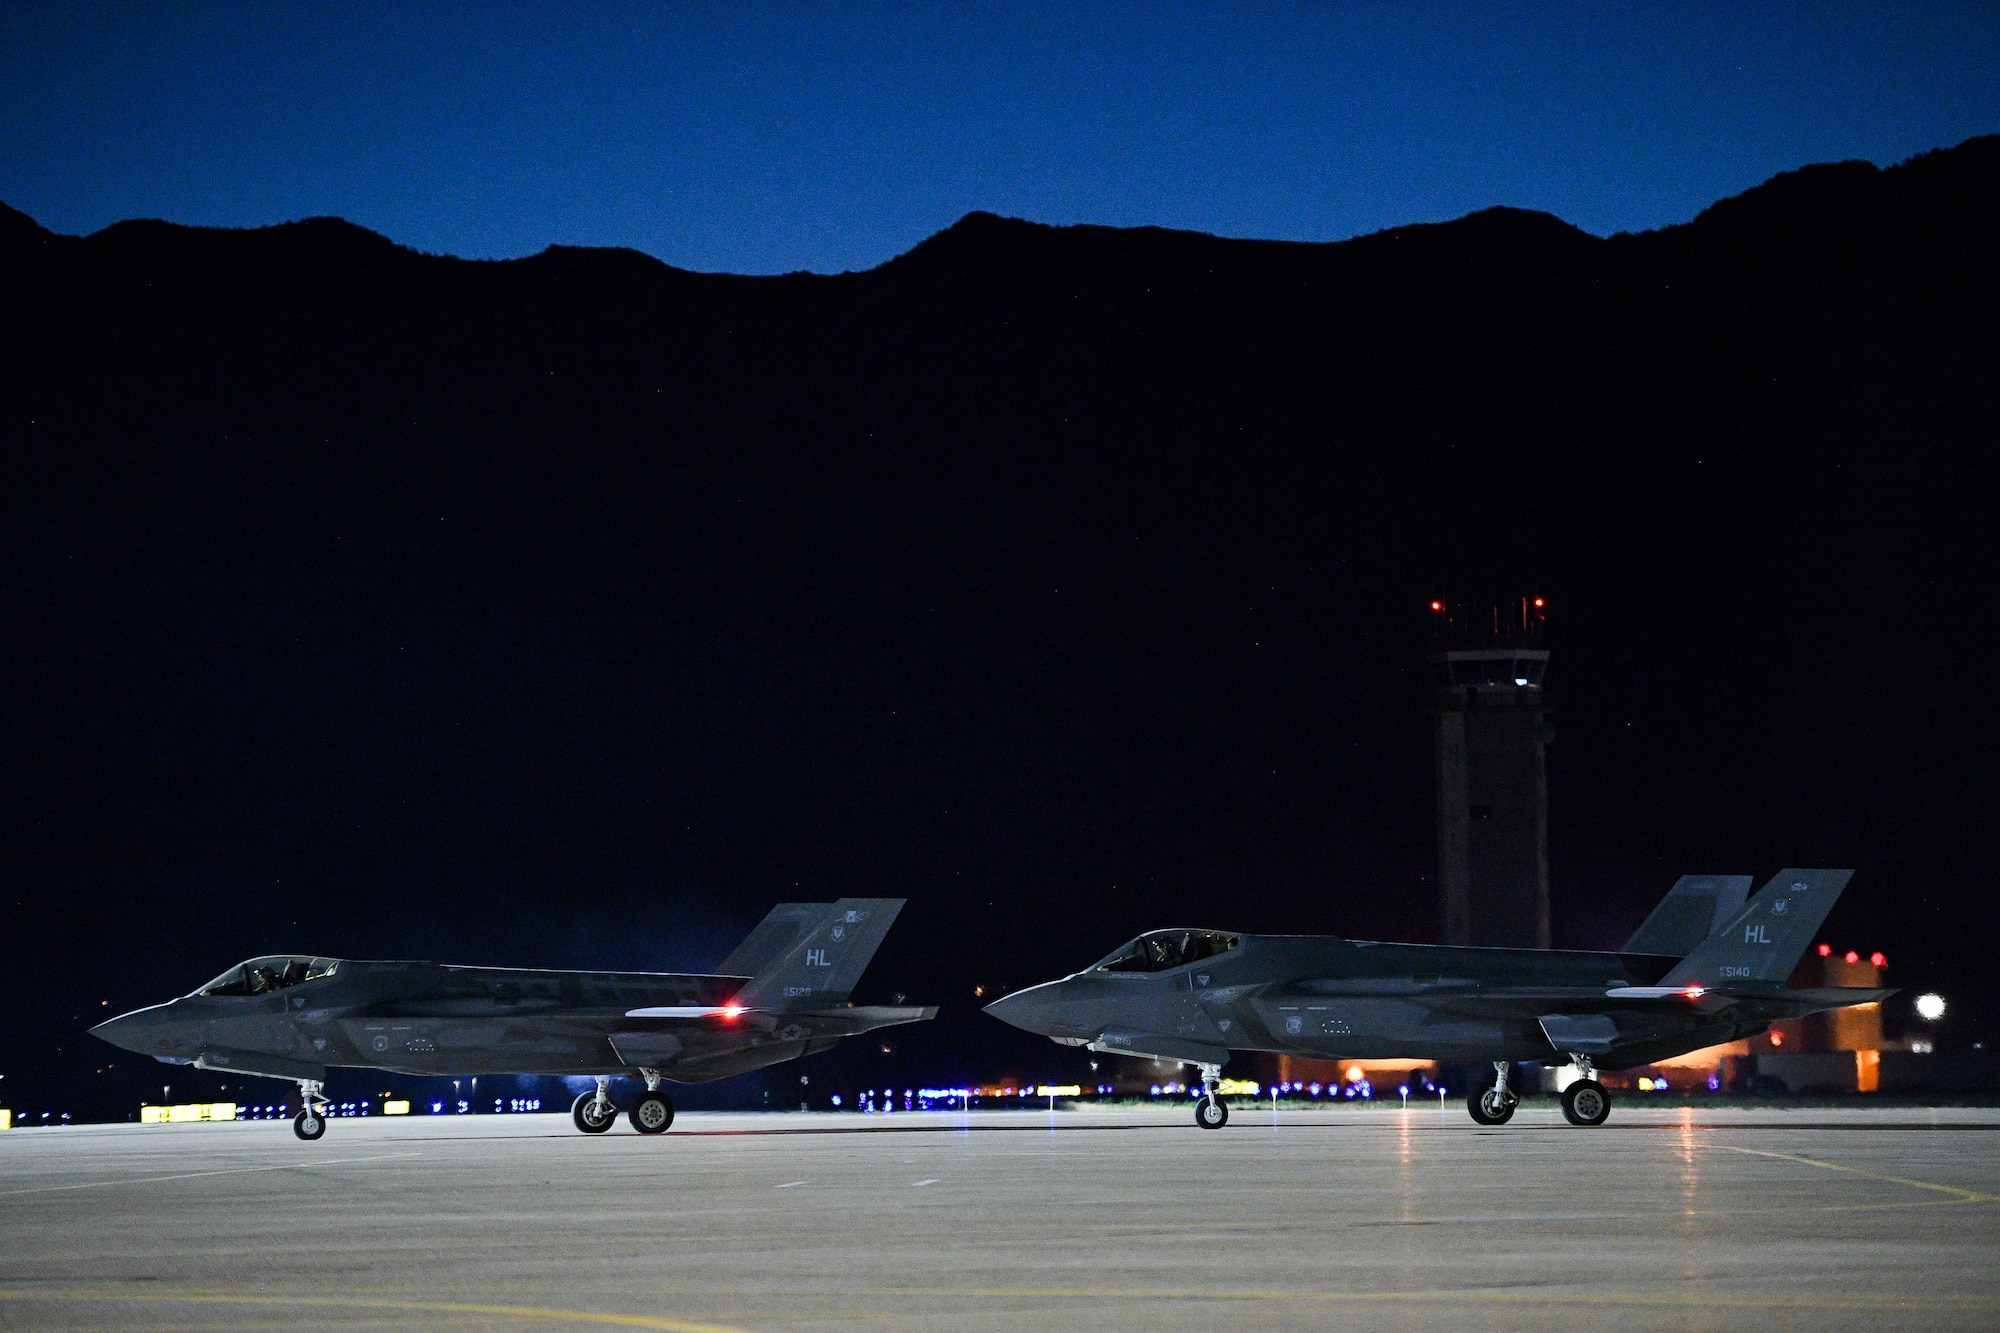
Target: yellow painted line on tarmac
1957, 1195
1464, 1296
466, 1308
196, 1175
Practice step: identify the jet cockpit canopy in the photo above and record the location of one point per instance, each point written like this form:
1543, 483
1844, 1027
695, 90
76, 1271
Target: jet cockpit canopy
260, 976
1158, 950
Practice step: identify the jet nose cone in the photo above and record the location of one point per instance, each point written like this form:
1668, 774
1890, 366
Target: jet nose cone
1029, 1010
120, 1032
153, 1031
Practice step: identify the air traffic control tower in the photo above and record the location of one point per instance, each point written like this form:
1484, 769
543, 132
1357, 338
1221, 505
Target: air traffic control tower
1490, 725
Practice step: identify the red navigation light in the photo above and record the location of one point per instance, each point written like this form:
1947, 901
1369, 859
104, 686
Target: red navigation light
1878, 960
1777, 1038
1437, 606
731, 1011
1540, 603
1853, 957
1826, 951
1693, 992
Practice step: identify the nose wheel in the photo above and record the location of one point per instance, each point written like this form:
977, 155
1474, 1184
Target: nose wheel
1211, 1112
1495, 1103
310, 1122
594, 1112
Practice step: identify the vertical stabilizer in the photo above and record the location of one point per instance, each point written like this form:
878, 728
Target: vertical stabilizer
1695, 908
1764, 941
778, 931
826, 960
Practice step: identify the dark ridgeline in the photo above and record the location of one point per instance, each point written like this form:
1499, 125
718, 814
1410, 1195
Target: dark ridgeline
1069, 581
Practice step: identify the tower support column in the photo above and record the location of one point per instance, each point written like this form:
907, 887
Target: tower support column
1490, 728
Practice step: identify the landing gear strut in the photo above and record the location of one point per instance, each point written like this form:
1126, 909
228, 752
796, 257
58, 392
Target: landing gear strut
1211, 1112
1493, 1105
593, 1111
652, 1113
1586, 1101
310, 1122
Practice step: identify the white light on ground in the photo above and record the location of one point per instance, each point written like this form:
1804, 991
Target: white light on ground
1930, 1007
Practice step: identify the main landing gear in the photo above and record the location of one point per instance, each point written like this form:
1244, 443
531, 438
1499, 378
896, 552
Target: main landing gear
1493, 1104
310, 1122
1211, 1112
1586, 1101
652, 1113
593, 1112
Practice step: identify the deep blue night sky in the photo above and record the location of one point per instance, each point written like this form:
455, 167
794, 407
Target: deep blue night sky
777, 137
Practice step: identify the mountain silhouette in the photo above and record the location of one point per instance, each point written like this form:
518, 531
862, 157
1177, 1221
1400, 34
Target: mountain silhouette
1067, 579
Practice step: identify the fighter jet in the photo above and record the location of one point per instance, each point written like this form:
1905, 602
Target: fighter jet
781, 994
1706, 967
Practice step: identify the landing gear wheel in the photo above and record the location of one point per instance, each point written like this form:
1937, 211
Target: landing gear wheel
309, 1124
1211, 1113
1586, 1102
591, 1116
1490, 1106
652, 1113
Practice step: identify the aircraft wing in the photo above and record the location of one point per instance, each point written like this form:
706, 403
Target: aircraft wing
663, 1037
1771, 1001
1631, 1025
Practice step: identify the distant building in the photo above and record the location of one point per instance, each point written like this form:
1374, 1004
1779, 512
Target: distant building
1490, 726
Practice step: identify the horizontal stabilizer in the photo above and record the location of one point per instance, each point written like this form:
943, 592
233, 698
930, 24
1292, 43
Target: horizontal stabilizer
850, 1019
1765, 940
1695, 908
1838, 997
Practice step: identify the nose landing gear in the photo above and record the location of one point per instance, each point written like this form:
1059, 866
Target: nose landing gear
1493, 1105
310, 1122
594, 1112
1211, 1112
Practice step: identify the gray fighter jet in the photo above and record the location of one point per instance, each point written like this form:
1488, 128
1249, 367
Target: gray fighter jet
1705, 968
781, 994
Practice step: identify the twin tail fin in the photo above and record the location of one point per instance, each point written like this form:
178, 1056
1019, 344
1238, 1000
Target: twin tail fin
1764, 941
810, 954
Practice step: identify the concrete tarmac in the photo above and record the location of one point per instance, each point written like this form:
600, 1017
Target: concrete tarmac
1090, 1219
